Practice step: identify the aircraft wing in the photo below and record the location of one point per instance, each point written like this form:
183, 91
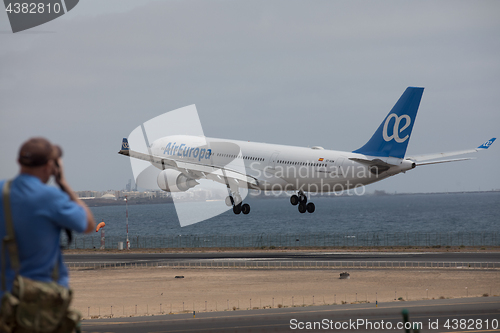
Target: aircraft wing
218, 174
156, 160
426, 157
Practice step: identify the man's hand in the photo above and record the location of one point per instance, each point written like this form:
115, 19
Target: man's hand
59, 173
60, 179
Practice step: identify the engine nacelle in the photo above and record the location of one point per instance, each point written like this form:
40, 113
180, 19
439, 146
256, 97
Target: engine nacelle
175, 181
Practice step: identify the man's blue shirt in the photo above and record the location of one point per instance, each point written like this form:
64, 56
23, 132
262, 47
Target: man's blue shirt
39, 213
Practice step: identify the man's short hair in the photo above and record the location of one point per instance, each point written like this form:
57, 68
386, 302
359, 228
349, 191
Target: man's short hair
37, 152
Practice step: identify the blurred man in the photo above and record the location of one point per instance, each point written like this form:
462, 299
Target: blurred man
40, 212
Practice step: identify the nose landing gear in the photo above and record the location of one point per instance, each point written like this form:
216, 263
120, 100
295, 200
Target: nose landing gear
301, 200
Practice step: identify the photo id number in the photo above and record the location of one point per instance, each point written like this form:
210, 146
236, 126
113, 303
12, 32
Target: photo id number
33, 8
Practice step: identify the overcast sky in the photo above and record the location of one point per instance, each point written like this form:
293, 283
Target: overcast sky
288, 72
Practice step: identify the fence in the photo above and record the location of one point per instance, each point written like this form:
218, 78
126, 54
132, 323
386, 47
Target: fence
297, 240
292, 264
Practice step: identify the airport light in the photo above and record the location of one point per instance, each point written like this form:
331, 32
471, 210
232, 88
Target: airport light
126, 214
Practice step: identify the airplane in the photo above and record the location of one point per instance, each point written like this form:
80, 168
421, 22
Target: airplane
185, 159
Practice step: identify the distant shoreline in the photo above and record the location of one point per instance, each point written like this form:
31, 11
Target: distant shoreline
98, 202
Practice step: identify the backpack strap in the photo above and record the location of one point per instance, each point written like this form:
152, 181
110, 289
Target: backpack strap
9, 241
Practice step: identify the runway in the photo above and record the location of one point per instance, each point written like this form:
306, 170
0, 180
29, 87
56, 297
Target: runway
441, 315
493, 258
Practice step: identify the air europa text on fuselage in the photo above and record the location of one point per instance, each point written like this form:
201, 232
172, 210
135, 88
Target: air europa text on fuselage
182, 150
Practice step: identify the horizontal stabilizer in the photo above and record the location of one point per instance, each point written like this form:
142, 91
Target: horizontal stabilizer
445, 161
426, 157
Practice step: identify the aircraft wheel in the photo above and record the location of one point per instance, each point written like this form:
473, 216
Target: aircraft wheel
303, 199
237, 199
245, 209
302, 208
310, 207
294, 200
237, 209
229, 201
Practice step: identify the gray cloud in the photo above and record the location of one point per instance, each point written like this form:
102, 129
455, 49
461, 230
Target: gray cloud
290, 72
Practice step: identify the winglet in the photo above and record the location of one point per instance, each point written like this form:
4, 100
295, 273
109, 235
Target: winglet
487, 144
125, 147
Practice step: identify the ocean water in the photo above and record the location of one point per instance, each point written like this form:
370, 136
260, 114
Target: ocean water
415, 213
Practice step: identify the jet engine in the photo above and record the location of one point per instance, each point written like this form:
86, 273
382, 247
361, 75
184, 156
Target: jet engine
175, 181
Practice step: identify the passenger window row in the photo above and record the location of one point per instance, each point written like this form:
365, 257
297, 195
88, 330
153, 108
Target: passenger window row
249, 158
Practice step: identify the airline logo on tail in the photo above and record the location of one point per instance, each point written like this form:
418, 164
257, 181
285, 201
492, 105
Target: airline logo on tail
392, 136
396, 130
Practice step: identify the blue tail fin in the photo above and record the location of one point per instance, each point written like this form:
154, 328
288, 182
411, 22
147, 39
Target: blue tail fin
392, 136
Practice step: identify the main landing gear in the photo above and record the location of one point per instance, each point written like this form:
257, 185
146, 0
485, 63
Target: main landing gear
238, 206
301, 200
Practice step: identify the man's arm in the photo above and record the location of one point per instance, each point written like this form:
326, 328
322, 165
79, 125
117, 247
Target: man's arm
63, 184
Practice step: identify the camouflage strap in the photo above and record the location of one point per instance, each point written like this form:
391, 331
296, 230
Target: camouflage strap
10, 238
9, 241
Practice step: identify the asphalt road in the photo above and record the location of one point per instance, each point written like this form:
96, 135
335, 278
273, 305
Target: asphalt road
463, 314
492, 257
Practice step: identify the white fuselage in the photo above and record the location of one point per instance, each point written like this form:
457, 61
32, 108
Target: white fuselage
279, 167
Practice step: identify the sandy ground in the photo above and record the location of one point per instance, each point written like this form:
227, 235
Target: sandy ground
141, 291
